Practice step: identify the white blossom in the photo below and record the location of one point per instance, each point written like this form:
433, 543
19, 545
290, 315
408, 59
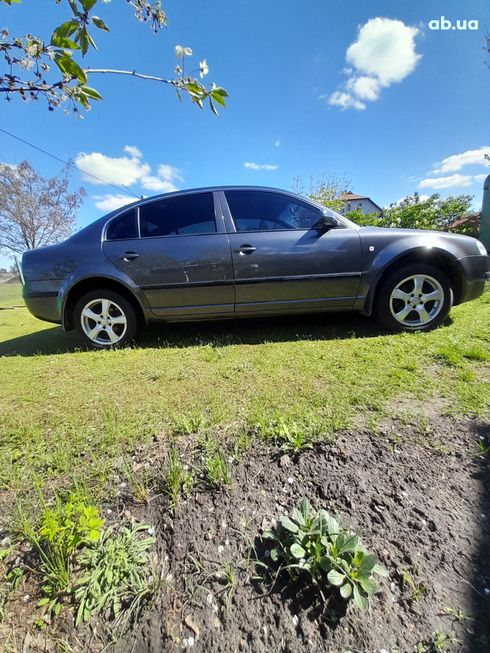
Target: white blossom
203, 68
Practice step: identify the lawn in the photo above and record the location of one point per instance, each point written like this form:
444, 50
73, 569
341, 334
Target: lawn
67, 413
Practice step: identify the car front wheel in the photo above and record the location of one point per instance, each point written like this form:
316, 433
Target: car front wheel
416, 297
105, 319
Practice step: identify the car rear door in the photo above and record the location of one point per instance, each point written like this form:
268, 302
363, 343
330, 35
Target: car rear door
280, 262
179, 254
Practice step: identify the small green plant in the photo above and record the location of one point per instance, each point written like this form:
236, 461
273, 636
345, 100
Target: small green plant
482, 447
189, 424
409, 585
139, 482
290, 436
313, 546
217, 469
14, 576
226, 576
456, 613
438, 642
216, 463
65, 526
116, 574
178, 478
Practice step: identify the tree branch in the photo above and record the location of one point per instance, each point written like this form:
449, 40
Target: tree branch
132, 73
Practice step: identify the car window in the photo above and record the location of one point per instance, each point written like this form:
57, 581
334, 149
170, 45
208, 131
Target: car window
124, 226
264, 211
175, 216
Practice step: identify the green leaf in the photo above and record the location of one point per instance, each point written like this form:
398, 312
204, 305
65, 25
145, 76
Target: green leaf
325, 564
335, 577
217, 97
380, 571
87, 4
66, 29
70, 68
360, 601
347, 542
346, 591
274, 553
98, 22
297, 550
368, 585
288, 524
63, 42
43, 601
368, 562
304, 505
95, 95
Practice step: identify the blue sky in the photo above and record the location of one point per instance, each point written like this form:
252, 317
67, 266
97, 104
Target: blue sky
315, 87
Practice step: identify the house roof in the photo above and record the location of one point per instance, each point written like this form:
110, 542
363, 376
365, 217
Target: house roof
349, 197
345, 197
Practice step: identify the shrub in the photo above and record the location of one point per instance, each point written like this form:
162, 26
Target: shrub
313, 547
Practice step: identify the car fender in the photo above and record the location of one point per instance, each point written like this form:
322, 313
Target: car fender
379, 256
101, 270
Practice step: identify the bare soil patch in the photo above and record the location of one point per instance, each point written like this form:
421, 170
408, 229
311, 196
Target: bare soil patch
419, 500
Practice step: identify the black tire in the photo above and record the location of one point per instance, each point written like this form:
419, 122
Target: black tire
110, 331
399, 280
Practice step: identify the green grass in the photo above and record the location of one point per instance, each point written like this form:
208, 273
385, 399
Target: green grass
67, 413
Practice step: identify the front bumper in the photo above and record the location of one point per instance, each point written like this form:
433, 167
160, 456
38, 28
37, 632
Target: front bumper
476, 270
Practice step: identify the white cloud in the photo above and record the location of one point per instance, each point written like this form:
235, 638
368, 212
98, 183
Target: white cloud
111, 170
259, 166
480, 178
277, 143
169, 173
344, 101
367, 88
111, 202
385, 49
384, 53
133, 151
447, 182
164, 182
127, 170
455, 162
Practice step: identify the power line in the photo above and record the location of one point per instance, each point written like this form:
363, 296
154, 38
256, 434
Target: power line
71, 165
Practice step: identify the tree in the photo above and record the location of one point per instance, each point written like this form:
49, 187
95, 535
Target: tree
35, 211
413, 212
37, 68
325, 190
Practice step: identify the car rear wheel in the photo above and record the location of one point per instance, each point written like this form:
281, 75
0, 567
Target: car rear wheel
417, 297
105, 319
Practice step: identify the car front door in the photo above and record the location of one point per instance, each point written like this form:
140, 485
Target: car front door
177, 252
281, 261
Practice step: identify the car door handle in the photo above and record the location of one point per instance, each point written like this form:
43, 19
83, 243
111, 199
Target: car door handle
245, 249
129, 256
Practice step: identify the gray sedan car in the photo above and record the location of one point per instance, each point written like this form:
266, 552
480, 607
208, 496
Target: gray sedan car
231, 252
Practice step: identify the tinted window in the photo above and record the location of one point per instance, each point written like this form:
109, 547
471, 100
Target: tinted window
191, 214
264, 211
124, 226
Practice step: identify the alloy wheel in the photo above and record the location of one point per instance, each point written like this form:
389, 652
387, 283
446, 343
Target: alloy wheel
416, 300
103, 321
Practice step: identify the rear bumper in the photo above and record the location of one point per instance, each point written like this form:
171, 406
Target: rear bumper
476, 270
45, 305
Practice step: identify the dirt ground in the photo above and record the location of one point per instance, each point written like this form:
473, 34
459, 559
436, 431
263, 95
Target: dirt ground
420, 501
419, 497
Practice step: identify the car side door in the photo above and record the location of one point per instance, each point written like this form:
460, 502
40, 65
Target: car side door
282, 261
177, 251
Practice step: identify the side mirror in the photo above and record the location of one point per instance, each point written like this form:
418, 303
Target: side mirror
326, 222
